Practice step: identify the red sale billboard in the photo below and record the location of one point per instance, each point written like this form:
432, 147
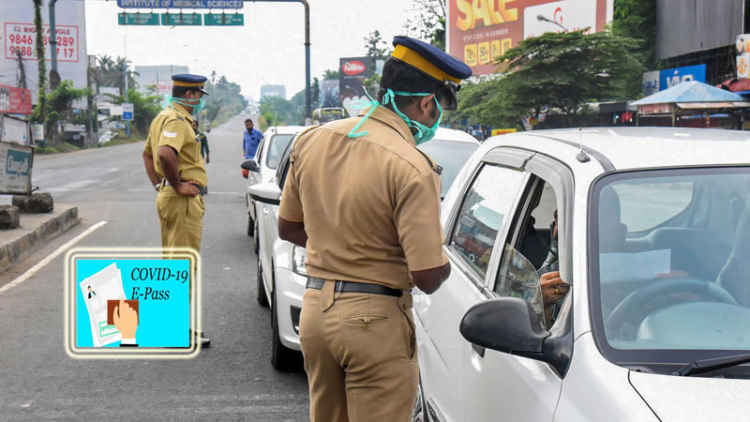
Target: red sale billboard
480, 31
14, 100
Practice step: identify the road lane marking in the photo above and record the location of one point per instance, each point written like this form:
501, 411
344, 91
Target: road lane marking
41, 264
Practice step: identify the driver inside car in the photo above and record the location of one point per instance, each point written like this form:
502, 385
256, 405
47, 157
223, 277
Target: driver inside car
554, 288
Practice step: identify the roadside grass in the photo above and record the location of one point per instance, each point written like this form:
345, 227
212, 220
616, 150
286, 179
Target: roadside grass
68, 147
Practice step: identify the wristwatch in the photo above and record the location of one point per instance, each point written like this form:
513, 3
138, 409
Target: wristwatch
157, 186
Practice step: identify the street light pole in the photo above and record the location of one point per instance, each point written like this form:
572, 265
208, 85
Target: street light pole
53, 43
308, 98
546, 19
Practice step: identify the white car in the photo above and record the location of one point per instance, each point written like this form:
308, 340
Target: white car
654, 239
266, 161
281, 265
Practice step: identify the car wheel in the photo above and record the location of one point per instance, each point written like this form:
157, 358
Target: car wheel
282, 358
256, 241
419, 414
262, 298
250, 225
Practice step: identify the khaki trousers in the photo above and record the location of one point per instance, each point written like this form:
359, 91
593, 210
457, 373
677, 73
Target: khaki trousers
360, 356
181, 219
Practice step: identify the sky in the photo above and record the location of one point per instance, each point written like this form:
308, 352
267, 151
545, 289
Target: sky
268, 49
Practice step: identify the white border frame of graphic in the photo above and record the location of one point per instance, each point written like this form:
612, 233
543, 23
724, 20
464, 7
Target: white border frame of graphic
131, 352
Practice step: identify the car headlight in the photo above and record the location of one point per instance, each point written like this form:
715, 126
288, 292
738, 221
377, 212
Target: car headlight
299, 255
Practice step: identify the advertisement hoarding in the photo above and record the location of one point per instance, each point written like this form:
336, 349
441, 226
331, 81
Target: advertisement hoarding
659, 80
480, 31
15, 177
743, 56
19, 38
353, 71
14, 100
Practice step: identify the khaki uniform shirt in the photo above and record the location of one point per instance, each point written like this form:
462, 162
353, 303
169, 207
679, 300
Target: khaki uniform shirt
370, 205
173, 127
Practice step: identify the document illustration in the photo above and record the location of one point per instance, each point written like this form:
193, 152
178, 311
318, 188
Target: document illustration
97, 290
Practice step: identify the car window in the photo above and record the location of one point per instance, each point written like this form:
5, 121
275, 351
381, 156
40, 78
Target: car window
484, 211
647, 205
451, 156
277, 146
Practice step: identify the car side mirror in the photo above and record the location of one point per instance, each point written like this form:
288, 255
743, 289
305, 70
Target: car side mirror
268, 193
250, 165
506, 324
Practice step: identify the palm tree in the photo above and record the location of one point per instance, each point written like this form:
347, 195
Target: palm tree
42, 99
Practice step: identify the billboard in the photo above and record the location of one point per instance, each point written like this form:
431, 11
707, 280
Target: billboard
18, 38
479, 31
684, 27
353, 71
659, 80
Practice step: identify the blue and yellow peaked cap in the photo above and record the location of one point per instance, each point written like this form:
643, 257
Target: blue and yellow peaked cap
188, 80
430, 60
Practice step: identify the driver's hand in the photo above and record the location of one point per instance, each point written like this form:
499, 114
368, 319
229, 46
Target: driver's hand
553, 287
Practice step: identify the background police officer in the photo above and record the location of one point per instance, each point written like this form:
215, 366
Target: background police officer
174, 164
366, 204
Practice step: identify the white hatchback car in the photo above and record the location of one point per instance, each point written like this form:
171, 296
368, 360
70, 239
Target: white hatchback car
281, 265
266, 161
654, 239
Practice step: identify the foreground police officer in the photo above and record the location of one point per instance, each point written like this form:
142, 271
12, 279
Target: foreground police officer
366, 203
174, 165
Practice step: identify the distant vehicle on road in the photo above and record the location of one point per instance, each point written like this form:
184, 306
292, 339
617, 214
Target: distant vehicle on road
328, 114
281, 265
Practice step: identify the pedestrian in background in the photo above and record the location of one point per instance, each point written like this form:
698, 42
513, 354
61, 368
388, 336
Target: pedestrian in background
250, 140
173, 163
365, 202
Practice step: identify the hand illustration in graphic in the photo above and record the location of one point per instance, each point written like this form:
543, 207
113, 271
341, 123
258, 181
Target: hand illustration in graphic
126, 320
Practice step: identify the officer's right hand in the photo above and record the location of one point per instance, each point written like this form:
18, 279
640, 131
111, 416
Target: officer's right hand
187, 189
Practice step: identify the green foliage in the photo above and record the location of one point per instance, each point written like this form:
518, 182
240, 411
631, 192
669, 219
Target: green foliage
566, 70
375, 45
224, 100
637, 19
331, 75
59, 107
428, 20
279, 111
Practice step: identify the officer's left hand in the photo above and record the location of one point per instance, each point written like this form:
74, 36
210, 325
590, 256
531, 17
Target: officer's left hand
187, 189
208, 160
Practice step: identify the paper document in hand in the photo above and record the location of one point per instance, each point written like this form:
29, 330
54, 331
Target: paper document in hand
97, 289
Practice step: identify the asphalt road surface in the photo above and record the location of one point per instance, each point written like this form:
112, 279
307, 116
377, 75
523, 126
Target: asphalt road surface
232, 380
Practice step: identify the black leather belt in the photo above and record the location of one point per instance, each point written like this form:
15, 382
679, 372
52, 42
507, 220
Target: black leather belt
353, 287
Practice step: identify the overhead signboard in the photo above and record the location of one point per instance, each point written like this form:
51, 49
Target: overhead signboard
127, 111
659, 80
480, 31
14, 100
180, 19
180, 4
18, 35
138, 19
222, 19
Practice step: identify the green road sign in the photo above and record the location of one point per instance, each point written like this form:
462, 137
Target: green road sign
170, 19
221, 19
138, 18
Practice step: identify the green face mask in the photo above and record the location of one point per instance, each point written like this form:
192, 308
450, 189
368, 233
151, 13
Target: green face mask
196, 107
424, 133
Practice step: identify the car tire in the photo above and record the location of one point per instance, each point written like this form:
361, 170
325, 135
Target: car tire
420, 414
283, 358
261, 298
256, 241
250, 225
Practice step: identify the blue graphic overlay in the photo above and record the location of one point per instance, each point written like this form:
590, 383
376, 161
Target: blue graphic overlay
161, 287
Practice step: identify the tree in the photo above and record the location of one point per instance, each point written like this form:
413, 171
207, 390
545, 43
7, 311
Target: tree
331, 75
427, 21
42, 86
375, 45
637, 19
565, 71
59, 103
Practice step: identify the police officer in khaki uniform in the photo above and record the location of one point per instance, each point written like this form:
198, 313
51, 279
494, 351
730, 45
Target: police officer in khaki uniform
365, 202
174, 164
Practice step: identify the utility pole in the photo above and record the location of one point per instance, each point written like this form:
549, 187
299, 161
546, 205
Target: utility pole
308, 110
54, 75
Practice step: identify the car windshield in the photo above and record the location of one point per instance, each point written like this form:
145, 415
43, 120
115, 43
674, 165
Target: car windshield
450, 155
276, 149
670, 261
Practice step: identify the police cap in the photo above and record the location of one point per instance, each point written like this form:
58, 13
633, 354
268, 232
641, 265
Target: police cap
188, 80
447, 70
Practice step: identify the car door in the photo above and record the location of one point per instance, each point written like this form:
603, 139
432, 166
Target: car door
255, 177
495, 383
480, 218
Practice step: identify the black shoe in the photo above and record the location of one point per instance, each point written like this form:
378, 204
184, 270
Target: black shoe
201, 337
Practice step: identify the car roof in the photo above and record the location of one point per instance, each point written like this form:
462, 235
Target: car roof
642, 147
285, 130
445, 134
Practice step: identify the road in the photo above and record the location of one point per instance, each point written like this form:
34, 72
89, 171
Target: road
232, 380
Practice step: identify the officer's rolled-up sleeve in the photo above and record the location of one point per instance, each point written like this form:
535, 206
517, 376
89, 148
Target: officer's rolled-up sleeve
417, 219
291, 205
174, 135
